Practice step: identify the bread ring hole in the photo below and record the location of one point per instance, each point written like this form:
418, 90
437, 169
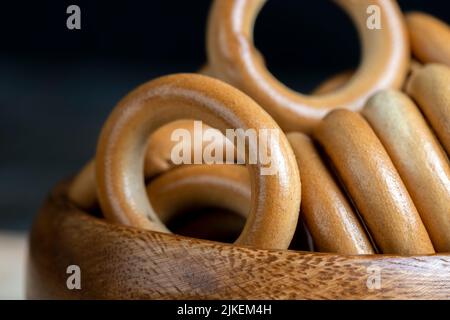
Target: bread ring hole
313, 41
224, 225
213, 223
209, 223
207, 201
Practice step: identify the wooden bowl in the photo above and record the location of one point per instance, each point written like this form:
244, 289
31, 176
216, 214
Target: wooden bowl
119, 262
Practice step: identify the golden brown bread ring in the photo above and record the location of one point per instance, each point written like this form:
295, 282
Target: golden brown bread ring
83, 189
334, 82
233, 57
418, 157
121, 150
83, 192
373, 183
338, 80
429, 38
160, 145
213, 187
182, 188
198, 186
328, 214
430, 88
205, 201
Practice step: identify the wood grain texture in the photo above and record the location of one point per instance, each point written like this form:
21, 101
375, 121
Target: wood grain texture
374, 184
429, 38
234, 58
430, 88
120, 262
418, 157
329, 216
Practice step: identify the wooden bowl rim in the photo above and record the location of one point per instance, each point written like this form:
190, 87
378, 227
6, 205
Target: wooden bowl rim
257, 273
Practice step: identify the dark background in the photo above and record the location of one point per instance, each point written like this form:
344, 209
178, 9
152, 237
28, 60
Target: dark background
57, 86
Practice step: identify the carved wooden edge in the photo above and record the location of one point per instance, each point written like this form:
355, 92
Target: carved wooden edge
119, 262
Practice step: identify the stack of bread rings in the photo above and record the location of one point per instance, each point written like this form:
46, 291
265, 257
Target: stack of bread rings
362, 168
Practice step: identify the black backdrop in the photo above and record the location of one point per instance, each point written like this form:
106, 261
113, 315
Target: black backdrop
57, 86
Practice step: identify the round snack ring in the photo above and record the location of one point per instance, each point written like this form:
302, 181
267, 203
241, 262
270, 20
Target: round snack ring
429, 38
418, 157
338, 80
122, 146
233, 58
82, 190
372, 181
195, 186
429, 87
334, 82
221, 186
330, 218
161, 144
